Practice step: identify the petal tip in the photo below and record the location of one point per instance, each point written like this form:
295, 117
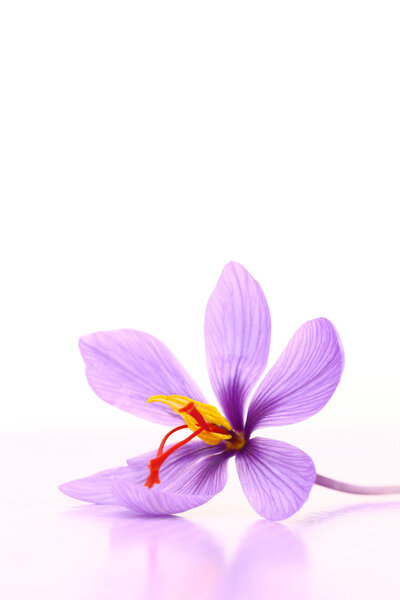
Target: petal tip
84, 342
233, 265
323, 321
67, 489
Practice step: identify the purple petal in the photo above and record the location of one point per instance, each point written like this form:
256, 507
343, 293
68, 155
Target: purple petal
302, 380
237, 335
189, 477
126, 367
144, 502
276, 477
95, 488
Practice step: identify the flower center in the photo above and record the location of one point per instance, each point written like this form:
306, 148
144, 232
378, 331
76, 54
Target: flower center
204, 420
237, 441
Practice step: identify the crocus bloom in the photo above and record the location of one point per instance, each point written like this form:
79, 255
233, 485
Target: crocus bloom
137, 373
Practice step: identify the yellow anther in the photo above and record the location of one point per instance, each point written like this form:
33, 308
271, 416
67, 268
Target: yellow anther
197, 414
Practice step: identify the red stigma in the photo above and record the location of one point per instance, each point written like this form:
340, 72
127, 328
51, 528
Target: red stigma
155, 463
193, 412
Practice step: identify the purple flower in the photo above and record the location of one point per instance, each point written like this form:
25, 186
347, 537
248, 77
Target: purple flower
127, 368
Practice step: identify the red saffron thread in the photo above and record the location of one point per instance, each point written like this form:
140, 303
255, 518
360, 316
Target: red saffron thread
193, 412
161, 448
155, 464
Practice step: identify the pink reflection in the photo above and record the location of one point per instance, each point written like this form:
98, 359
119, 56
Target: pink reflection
270, 562
163, 558
173, 558
356, 510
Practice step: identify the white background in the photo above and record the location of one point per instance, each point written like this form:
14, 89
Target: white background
145, 144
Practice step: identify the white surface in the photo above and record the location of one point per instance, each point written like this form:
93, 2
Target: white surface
337, 546
143, 145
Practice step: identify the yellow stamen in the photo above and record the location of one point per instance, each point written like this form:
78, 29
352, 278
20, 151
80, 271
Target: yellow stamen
190, 409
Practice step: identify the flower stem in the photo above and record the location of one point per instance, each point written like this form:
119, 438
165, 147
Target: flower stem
349, 488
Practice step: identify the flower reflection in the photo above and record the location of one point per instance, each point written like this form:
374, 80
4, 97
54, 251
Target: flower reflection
172, 558
167, 557
270, 562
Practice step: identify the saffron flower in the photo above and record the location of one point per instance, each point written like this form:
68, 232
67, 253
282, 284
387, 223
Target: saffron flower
137, 373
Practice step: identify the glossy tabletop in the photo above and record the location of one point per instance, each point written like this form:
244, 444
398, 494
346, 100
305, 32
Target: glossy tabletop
337, 546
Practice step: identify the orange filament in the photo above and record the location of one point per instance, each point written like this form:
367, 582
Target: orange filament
155, 464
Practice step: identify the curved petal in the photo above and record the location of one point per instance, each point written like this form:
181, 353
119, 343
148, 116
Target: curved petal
144, 502
95, 488
237, 336
276, 477
302, 380
189, 477
126, 367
